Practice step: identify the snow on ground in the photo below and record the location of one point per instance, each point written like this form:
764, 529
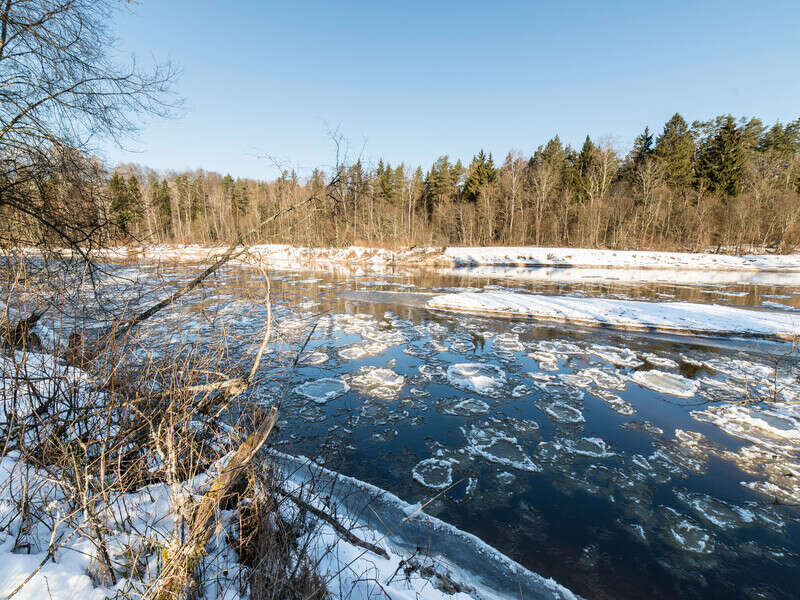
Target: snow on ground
670, 317
586, 257
456, 557
562, 258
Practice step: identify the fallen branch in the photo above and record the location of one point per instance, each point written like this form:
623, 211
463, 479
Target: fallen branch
341, 529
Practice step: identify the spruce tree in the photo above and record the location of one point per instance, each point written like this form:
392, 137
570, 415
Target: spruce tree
675, 151
481, 172
721, 158
118, 193
642, 148
162, 200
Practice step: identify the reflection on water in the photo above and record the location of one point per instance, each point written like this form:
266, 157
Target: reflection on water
623, 466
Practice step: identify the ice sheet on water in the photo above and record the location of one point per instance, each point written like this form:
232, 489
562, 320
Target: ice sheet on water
505, 478
559, 386
559, 347
684, 533
548, 361
666, 383
497, 447
462, 407
362, 349
605, 379
621, 357
323, 390
378, 382
586, 446
313, 358
560, 410
740, 369
615, 402
435, 473
659, 361
725, 515
508, 343
775, 427
481, 378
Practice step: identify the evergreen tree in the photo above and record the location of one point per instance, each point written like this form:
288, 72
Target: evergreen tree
240, 198
125, 202
197, 206
721, 157
642, 148
118, 192
135, 208
674, 151
481, 172
162, 202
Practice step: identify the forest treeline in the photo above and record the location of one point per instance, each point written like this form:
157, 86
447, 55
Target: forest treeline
725, 183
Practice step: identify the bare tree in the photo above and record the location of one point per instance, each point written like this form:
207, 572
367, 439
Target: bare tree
60, 93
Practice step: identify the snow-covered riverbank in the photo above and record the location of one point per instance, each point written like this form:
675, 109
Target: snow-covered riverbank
487, 256
669, 317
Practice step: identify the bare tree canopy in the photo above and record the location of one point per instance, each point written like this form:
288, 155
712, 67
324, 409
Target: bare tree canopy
61, 91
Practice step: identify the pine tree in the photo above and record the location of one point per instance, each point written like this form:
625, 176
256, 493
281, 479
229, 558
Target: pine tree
675, 151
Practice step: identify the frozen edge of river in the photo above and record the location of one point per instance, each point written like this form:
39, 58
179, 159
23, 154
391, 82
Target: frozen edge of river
404, 528
684, 318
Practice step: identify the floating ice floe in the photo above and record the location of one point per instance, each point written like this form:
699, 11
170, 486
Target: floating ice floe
379, 382
592, 447
313, 358
776, 428
361, 350
725, 515
547, 360
686, 535
435, 473
462, 407
605, 379
559, 347
560, 411
672, 317
659, 361
508, 343
323, 390
481, 378
621, 357
497, 447
666, 383
615, 402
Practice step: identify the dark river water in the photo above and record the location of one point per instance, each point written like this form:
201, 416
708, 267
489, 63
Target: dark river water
621, 465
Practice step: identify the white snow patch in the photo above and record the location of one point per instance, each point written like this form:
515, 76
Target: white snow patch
672, 317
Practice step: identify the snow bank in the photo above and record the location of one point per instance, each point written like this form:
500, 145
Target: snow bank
671, 317
628, 259
402, 529
488, 256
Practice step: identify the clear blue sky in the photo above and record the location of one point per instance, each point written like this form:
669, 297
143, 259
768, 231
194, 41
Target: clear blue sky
409, 81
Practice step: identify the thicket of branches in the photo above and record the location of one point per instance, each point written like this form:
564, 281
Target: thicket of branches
724, 183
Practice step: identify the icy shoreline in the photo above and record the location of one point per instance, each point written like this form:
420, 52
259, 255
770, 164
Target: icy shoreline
668, 317
484, 256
